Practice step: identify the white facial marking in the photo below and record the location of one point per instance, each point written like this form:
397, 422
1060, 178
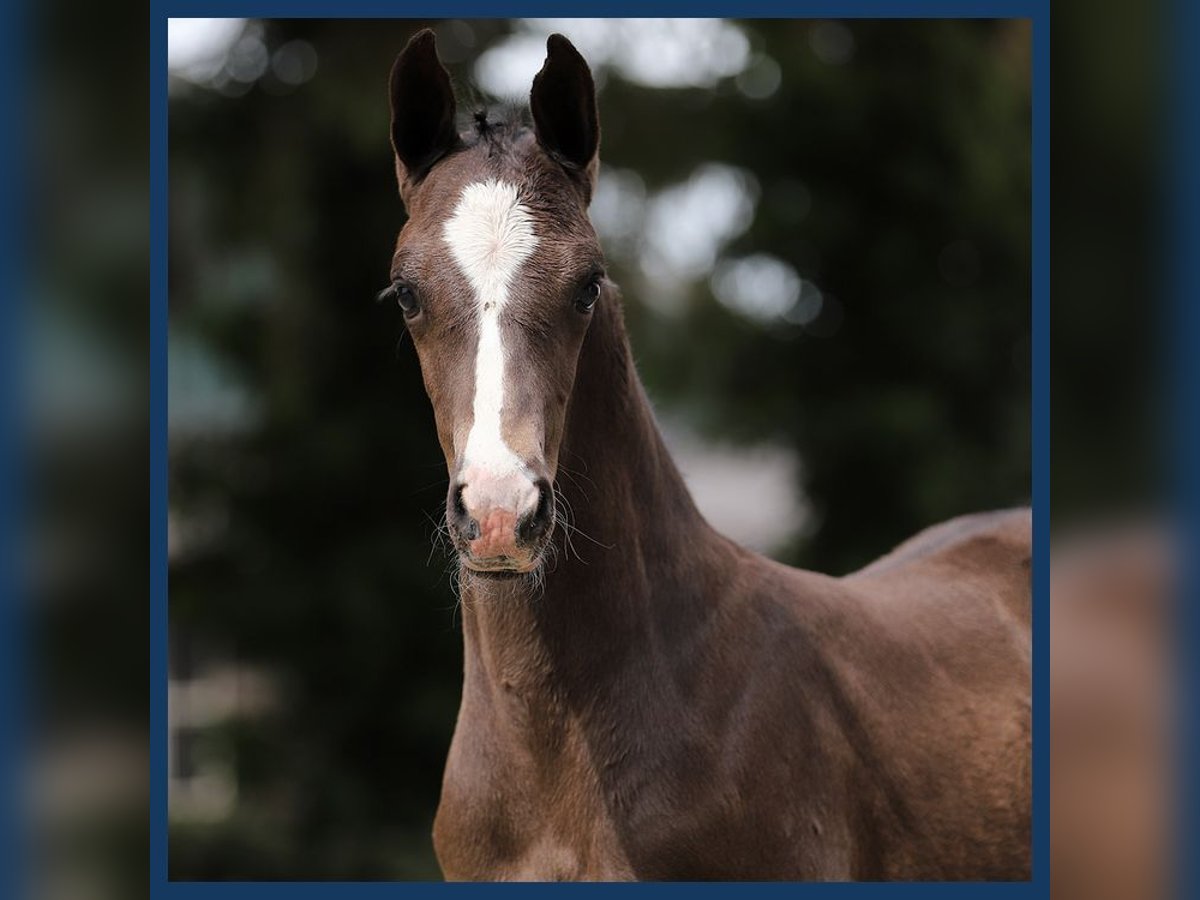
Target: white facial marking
491, 235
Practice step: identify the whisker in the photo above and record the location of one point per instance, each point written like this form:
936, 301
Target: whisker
440, 538
574, 528
575, 476
439, 483
583, 462
561, 503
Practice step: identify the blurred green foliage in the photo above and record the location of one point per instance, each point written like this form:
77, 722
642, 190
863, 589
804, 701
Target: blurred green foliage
898, 181
1109, 324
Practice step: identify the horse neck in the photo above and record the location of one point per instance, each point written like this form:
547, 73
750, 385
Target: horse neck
636, 565
620, 485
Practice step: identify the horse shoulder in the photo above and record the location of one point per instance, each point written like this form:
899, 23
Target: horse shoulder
895, 693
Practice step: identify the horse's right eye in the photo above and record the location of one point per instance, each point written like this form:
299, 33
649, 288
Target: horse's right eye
406, 299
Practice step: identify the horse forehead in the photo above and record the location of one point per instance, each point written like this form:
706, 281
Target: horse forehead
491, 232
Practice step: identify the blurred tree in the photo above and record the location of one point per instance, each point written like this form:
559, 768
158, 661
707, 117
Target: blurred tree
889, 170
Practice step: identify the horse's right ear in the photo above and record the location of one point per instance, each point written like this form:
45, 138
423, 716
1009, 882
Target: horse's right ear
423, 110
563, 103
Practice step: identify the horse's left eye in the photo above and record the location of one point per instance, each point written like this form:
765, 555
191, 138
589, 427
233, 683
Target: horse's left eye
590, 294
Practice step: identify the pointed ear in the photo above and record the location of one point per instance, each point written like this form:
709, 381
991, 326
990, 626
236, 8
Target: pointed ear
423, 110
563, 103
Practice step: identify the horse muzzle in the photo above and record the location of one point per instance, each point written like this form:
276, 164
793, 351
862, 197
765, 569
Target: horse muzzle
500, 523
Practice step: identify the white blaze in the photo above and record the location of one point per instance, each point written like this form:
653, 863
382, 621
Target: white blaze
491, 235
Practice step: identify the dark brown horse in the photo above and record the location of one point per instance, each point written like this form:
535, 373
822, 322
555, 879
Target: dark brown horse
665, 704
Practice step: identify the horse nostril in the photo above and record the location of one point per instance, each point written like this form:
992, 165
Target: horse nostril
463, 519
535, 523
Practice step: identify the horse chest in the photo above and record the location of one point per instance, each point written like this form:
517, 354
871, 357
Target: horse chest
497, 825
507, 817
507, 813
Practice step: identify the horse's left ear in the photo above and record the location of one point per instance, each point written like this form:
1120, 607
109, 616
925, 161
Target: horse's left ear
563, 103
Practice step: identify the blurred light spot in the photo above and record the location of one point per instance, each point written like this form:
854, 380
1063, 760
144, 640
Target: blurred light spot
202, 786
619, 206
248, 60
294, 63
660, 53
231, 87
455, 38
78, 382
688, 224
680, 52
507, 69
760, 287
832, 43
87, 770
808, 305
959, 263
462, 31
204, 395
761, 79
750, 494
196, 48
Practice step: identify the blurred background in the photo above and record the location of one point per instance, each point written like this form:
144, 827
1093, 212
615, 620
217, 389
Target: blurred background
857, 133
822, 232
81, 130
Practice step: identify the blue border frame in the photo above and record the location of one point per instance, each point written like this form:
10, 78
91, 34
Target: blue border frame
1182, 339
13, 647
160, 10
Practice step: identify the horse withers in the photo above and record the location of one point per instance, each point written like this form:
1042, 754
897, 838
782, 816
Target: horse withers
643, 698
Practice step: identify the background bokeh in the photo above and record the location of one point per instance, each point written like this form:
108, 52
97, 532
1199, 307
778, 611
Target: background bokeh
822, 232
83, 553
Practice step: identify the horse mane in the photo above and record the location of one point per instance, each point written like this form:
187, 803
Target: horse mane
497, 125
